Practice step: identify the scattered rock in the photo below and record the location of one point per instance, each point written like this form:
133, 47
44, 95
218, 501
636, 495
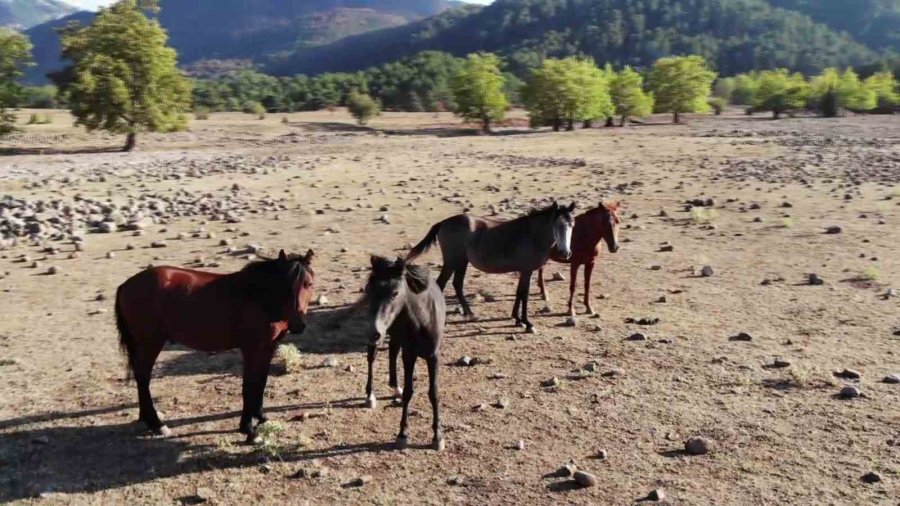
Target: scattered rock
780, 363
321, 300
158, 244
359, 482
815, 280
565, 471
834, 229
330, 362
742, 336
552, 382
850, 392
502, 403
520, 445
465, 361
891, 379
706, 271
637, 336
697, 446
602, 454
871, 477
656, 495
557, 276
848, 374
570, 322
585, 479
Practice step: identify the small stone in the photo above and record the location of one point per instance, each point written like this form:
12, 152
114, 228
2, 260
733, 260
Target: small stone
108, 227
834, 229
349, 368
697, 446
706, 271
848, 374
667, 248
602, 454
358, 482
53, 270
557, 276
465, 361
203, 494
456, 481
385, 219
585, 479
592, 367
479, 407
871, 477
322, 300
158, 244
850, 392
502, 403
656, 495
570, 322
330, 362
891, 379
552, 382
637, 336
780, 364
815, 280
110, 254
520, 445
742, 336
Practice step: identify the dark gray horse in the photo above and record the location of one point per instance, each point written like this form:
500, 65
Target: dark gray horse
407, 305
522, 245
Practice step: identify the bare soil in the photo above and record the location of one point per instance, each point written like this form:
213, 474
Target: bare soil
780, 435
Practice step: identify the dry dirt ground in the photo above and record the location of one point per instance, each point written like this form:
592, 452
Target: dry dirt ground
780, 435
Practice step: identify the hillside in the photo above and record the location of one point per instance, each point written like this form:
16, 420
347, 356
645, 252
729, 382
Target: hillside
27, 13
736, 35
251, 29
875, 23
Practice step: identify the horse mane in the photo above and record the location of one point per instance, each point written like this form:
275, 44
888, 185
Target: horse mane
417, 277
542, 210
264, 282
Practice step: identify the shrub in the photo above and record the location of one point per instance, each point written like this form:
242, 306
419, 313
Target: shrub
362, 107
870, 274
268, 438
290, 356
201, 113
39, 119
718, 104
253, 107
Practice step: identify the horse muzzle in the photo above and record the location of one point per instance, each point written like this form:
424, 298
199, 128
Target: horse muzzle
614, 248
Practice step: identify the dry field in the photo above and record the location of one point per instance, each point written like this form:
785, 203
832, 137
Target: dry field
780, 432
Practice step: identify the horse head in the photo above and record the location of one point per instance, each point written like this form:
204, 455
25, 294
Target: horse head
609, 225
563, 223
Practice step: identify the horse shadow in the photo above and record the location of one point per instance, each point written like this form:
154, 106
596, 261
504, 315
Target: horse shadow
333, 330
91, 458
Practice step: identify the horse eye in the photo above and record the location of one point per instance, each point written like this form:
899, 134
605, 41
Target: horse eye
394, 295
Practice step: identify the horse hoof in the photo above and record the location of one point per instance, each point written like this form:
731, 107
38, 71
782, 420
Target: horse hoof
261, 419
371, 402
572, 312
437, 444
163, 431
529, 329
402, 443
591, 312
254, 439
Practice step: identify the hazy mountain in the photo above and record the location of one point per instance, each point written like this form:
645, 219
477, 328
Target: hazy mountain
27, 13
250, 29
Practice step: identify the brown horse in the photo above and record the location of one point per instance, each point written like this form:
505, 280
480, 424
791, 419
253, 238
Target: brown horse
522, 245
591, 227
251, 310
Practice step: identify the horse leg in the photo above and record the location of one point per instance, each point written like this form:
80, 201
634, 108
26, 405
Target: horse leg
393, 352
438, 442
524, 287
409, 366
142, 368
458, 278
446, 272
588, 270
249, 391
262, 378
541, 285
517, 304
573, 272
371, 402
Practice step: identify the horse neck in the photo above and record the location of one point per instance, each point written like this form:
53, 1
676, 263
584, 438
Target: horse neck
541, 226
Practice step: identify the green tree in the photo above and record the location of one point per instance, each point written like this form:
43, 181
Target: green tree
362, 107
833, 91
681, 84
124, 76
628, 96
744, 88
887, 93
15, 55
478, 90
565, 91
780, 91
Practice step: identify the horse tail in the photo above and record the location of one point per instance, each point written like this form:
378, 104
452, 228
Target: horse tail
126, 338
425, 244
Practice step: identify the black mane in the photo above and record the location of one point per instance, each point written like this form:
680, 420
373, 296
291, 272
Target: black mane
270, 282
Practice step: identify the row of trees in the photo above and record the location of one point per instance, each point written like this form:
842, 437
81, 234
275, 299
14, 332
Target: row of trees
779, 91
561, 92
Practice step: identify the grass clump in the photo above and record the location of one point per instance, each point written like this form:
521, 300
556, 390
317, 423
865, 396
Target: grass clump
870, 274
703, 215
269, 434
290, 356
39, 119
788, 222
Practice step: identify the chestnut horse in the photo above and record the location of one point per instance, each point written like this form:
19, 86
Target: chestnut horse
591, 227
251, 310
494, 246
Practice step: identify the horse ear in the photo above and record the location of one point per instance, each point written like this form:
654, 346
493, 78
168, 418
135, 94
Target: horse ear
571, 207
282, 256
375, 261
555, 206
309, 257
602, 207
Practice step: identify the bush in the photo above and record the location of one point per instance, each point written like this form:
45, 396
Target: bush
39, 119
290, 356
718, 104
362, 107
201, 113
253, 107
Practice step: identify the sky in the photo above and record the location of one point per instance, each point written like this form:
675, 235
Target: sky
93, 4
